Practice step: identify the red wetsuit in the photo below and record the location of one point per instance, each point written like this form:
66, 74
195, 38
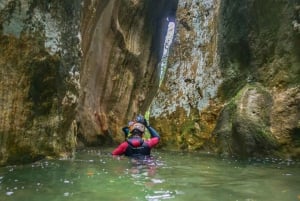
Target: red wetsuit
136, 146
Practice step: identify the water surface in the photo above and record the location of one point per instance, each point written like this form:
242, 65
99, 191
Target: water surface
95, 175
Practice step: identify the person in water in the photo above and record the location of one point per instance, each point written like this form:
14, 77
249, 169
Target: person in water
135, 146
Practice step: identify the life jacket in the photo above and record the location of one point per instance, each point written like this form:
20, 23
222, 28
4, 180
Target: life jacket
137, 147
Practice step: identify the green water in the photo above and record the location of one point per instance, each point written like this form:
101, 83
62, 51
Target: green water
95, 175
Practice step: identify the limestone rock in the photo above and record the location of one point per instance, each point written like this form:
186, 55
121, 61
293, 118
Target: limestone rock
39, 62
192, 78
67, 80
285, 120
221, 47
259, 44
243, 127
122, 44
79, 70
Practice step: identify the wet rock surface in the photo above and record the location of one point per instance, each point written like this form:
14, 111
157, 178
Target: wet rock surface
39, 61
243, 42
74, 73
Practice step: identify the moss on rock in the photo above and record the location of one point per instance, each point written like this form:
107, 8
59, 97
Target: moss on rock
243, 128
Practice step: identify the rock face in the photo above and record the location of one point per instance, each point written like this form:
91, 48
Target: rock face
39, 48
232, 82
244, 124
259, 123
75, 72
192, 78
122, 44
262, 46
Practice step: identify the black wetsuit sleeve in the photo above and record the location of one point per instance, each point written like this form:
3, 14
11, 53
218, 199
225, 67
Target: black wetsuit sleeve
125, 130
153, 132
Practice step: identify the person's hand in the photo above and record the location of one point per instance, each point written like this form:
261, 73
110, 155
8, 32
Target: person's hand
142, 120
145, 122
125, 130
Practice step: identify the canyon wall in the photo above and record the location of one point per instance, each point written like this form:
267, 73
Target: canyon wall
122, 44
232, 80
74, 73
186, 107
39, 48
259, 59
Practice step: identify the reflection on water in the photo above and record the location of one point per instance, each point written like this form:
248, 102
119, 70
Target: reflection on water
95, 175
